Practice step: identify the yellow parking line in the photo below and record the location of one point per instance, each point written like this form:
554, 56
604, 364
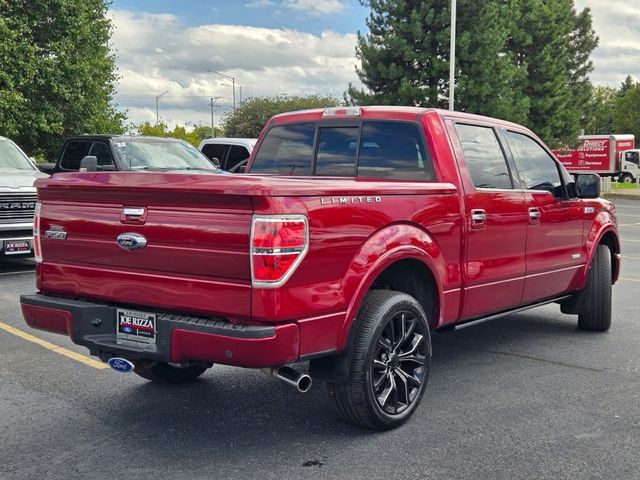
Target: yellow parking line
630, 279
51, 346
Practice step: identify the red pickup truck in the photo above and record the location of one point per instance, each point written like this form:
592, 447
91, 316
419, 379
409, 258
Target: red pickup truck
357, 233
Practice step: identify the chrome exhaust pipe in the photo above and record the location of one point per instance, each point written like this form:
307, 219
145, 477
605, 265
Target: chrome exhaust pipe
290, 376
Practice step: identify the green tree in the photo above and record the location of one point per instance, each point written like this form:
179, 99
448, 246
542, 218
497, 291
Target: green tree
404, 58
57, 72
491, 80
555, 44
522, 60
626, 116
194, 137
250, 117
599, 120
626, 86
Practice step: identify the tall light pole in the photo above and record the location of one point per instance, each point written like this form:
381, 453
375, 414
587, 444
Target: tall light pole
233, 84
158, 97
213, 102
452, 57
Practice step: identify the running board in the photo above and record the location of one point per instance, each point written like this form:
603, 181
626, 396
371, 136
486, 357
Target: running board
472, 323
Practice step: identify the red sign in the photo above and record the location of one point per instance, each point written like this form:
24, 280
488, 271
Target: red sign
591, 155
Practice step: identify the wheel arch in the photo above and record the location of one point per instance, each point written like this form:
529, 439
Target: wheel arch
382, 258
383, 262
611, 240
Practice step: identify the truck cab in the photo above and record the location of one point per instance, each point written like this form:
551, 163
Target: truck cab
629, 166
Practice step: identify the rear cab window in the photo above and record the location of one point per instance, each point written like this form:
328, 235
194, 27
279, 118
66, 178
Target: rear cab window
375, 149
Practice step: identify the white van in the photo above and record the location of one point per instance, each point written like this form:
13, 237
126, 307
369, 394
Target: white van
232, 153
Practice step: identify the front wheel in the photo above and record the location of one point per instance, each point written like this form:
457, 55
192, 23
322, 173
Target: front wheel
598, 291
162, 372
390, 362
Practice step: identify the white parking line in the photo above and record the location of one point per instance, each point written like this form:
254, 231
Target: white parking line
53, 347
16, 273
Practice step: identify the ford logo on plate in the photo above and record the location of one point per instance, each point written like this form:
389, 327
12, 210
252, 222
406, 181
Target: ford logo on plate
131, 241
121, 364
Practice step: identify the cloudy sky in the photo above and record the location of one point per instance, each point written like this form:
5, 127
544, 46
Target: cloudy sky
273, 47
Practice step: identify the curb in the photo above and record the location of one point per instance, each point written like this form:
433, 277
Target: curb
633, 196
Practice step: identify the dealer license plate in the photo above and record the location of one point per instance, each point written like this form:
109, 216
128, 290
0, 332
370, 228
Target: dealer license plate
135, 326
12, 247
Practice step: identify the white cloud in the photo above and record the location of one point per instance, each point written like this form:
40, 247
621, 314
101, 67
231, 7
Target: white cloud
156, 53
312, 7
618, 54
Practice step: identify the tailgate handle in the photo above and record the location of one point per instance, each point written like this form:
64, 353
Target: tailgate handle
133, 215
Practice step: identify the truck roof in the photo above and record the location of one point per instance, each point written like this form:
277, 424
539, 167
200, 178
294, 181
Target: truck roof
390, 113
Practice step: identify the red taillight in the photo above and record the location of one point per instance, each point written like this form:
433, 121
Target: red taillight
278, 244
37, 249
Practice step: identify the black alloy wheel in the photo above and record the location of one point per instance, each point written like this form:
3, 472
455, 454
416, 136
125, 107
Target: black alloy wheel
399, 361
389, 362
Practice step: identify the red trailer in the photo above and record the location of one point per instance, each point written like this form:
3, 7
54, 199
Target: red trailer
606, 155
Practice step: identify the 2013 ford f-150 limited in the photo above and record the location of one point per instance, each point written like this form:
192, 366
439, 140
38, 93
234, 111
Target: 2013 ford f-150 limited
358, 232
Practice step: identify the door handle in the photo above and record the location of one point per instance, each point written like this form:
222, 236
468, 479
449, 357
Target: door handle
478, 219
534, 215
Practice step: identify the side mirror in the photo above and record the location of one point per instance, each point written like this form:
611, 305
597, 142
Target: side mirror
216, 162
587, 185
89, 164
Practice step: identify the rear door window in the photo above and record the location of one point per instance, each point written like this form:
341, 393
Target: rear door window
287, 150
485, 159
237, 154
393, 150
337, 151
214, 150
100, 150
73, 153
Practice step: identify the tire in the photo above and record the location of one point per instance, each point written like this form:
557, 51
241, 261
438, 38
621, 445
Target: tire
161, 372
626, 178
598, 292
390, 362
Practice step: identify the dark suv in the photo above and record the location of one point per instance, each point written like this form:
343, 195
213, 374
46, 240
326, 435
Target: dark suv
128, 152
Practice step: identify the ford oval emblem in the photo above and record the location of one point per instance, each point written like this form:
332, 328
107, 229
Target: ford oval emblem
121, 364
131, 241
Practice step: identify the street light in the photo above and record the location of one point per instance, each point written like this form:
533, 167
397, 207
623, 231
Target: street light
158, 97
233, 84
452, 56
212, 103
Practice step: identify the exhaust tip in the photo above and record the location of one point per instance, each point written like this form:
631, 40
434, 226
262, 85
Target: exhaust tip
304, 383
300, 381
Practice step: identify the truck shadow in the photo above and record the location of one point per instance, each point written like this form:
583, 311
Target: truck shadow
230, 410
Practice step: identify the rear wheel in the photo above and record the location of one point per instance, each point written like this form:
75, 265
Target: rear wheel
161, 372
598, 291
390, 362
626, 178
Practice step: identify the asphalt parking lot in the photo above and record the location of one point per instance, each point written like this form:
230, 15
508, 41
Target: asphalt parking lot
528, 396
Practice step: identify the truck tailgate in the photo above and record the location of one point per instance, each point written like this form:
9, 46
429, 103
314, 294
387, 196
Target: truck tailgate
196, 256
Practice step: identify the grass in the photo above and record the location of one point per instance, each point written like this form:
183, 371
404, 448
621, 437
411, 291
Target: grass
623, 186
